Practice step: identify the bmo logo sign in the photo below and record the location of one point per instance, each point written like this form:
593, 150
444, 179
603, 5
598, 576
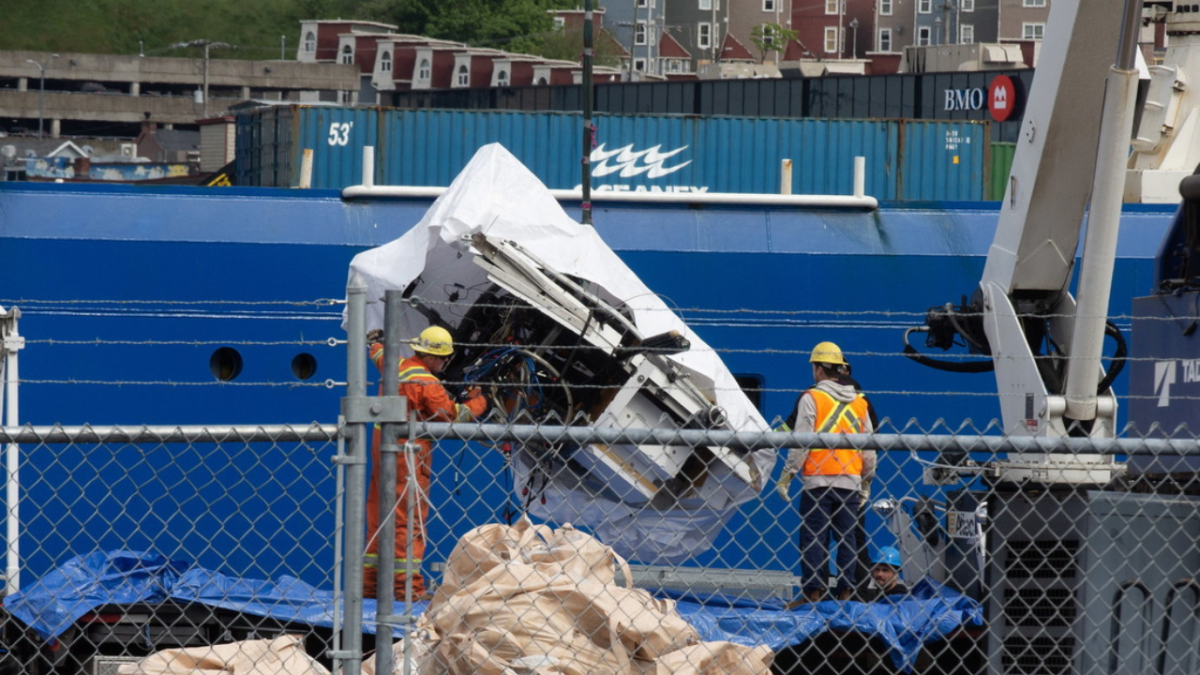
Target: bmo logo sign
1002, 97
999, 99
963, 99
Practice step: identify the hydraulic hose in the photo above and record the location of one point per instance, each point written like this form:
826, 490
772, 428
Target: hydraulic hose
948, 366
1118, 357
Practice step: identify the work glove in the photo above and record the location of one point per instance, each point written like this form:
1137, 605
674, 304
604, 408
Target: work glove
374, 336
784, 485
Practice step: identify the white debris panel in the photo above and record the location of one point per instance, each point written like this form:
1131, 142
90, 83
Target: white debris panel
557, 329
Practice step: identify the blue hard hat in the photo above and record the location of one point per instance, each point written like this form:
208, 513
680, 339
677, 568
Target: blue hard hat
888, 555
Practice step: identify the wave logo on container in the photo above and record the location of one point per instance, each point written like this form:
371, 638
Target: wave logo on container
630, 162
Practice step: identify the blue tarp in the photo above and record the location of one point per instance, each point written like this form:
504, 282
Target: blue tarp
930, 612
82, 584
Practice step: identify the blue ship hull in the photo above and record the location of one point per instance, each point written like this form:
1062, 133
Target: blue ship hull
127, 292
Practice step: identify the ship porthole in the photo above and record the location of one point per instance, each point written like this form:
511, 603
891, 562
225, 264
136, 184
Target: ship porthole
225, 364
304, 366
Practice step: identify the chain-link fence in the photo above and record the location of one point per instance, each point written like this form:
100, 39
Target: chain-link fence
125, 541
662, 539
139, 540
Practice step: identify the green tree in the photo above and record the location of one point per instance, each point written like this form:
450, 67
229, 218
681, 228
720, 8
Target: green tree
567, 45
771, 37
514, 25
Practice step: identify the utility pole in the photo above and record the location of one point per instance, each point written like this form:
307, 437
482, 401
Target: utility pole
778, 53
841, 29
207, 44
946, 23
712, 34
586, 161
958, 32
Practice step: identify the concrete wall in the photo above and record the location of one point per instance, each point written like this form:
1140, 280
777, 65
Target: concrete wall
127, 79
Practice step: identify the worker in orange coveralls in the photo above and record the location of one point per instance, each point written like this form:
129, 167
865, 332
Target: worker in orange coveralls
427, 401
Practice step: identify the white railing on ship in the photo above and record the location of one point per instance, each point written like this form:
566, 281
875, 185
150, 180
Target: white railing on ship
858, 200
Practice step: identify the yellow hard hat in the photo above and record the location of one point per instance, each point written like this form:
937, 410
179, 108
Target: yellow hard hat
434, 340
827, 352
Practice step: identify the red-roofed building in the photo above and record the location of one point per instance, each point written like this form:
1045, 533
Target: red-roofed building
474, 67
320, 41
676, 61
734, 50
747, 15
396, 62
434, 66
359, 49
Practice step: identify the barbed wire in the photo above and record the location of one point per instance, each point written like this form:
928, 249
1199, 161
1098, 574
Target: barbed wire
125, 301
323, 384
330, 342
336, 341
746, 311
333, 384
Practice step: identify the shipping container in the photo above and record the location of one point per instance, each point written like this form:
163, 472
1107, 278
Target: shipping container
909, 96
915, 160
271, 141
1001, 166
943, 161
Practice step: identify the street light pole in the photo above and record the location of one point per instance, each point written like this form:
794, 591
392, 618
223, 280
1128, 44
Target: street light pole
41, 93
854, 38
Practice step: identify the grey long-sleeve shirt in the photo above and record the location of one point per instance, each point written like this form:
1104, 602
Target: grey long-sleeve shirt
806, 418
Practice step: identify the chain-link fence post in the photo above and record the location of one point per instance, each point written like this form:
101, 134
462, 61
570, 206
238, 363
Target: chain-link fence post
385, 482
11, 342
353, 407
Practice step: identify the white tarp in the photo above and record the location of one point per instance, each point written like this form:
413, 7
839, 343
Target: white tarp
497, 195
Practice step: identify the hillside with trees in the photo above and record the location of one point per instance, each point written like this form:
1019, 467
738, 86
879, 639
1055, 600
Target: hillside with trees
265, 29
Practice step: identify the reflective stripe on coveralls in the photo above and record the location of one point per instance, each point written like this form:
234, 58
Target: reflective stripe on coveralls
427, 400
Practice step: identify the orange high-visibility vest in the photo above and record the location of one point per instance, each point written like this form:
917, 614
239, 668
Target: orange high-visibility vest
834, 416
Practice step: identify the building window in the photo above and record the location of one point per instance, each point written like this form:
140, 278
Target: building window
1033, 3
966, 5
924, 6
559, 22
347, 54
966, 34
310, 41
885, 7
831, 6
464, 76
673, 66
704, 36
769, 5
1033, 31
424, 71
385, 62
831, 39
639, 65
923, 34
541, 81
502, 78
639, 33
885, 39
706, 4
643, 3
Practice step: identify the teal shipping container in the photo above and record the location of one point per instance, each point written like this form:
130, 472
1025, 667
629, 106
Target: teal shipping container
905, 159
